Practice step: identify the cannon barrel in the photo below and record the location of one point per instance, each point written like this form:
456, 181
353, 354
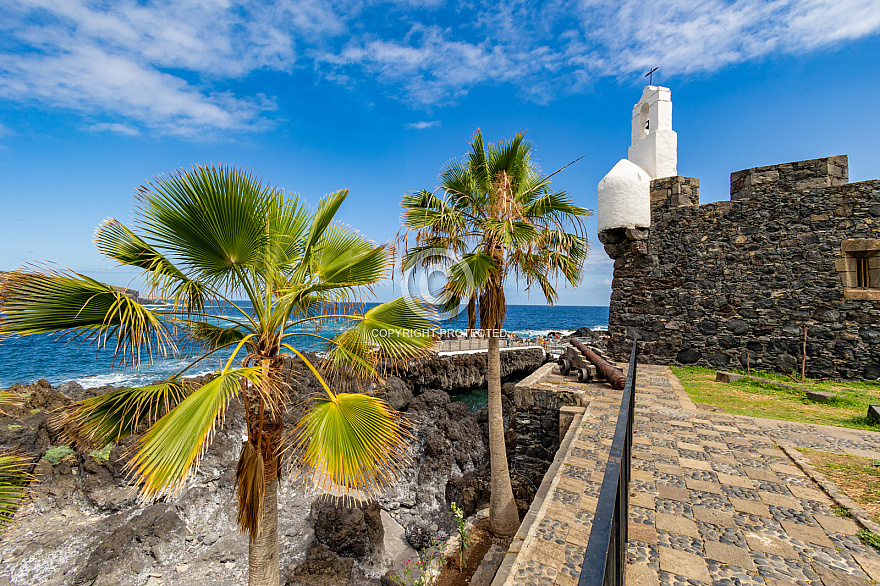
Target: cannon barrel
614, 377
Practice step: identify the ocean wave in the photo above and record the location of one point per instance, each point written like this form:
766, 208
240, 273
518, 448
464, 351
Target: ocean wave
146, 376
540, 333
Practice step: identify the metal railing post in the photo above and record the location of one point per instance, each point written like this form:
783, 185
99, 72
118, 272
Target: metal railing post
605, 556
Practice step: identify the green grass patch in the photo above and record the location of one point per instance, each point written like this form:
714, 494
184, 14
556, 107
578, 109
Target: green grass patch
759, 399
55, 453
841, 511
869, 538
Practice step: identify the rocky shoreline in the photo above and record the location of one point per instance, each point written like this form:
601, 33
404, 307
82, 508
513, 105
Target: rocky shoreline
83, 524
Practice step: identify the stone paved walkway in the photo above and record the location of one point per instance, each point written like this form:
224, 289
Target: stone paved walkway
714, 500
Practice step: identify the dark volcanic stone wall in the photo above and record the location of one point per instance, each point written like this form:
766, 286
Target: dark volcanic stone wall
537, 433
718, 283
460, 372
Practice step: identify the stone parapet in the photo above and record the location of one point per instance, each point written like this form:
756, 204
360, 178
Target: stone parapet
677, 191
811, 174
542, 414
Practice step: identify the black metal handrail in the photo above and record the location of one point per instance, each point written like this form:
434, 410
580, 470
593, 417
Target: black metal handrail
605, 557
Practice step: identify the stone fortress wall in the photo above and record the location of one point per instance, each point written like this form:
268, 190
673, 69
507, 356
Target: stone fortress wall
718, 283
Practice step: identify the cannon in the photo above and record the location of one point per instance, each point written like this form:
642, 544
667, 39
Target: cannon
588, 365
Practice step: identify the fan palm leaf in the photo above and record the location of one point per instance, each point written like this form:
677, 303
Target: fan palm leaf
384, 336
213, 220
171, 449
116, 241
14, 481
108, 418
350, 441
83, 308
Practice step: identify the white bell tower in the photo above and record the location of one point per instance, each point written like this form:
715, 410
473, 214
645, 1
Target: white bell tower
625, 192
654, 145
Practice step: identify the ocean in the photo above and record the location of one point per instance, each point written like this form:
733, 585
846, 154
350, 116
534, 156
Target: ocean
29, 358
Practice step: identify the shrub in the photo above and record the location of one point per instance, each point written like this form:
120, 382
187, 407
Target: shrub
55, 453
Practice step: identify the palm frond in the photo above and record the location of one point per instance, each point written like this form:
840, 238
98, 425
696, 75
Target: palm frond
383, 337
115, 240
14, 481
554, 204
478, 165
171, 449
423, 209
212, 335
213, 219
322, 218
512, 234
250, 485
110, 417
10, 398
436, 252
470, 273
351, 441
289, 222
343, 257
74, 305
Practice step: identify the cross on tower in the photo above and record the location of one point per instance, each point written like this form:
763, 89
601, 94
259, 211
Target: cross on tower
650, 76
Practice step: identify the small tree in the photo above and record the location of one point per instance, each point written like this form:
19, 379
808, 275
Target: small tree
496, 217
208, 235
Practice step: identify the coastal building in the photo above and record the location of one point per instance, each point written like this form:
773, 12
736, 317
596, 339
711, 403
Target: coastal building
792, 261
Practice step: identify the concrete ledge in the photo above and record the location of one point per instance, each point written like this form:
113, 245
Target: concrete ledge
727, 377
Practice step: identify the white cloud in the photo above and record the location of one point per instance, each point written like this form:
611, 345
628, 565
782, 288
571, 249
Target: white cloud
597, 261
684, 36
422, 125
115, 128
178, 66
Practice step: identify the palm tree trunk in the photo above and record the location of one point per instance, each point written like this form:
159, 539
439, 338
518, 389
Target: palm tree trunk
263, 554
263, 562
503, 515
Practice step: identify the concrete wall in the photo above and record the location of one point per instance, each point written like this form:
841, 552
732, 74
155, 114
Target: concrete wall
720, 283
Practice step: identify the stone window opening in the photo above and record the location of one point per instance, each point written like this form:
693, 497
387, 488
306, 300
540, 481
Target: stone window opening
863, 276
859, 269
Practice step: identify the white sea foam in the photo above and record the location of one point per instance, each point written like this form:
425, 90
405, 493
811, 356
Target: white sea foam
541, 333
147, 375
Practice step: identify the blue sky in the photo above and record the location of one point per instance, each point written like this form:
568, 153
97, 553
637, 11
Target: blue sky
98, 97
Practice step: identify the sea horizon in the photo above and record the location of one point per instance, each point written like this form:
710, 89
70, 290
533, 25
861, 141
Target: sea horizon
42, 356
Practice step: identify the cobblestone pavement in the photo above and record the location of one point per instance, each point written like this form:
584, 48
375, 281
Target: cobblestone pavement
714, 500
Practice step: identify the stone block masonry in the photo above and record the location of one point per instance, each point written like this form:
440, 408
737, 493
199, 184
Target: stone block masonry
724, 283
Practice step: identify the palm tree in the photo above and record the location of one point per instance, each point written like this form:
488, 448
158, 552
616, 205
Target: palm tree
495, 217
203, 237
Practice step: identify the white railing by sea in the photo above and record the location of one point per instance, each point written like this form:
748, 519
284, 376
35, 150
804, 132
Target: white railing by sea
481, 344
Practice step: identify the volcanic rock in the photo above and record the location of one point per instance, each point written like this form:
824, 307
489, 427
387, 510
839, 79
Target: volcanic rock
156, 532
349, 529
419, 535
395, 393
322, 567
